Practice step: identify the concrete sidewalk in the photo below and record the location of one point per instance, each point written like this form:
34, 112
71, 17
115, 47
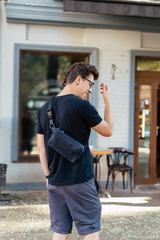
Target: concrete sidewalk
125, 216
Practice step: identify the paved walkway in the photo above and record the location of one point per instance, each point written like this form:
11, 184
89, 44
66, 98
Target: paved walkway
125, 216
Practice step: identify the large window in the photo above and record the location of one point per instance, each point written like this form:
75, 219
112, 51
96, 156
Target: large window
42, 75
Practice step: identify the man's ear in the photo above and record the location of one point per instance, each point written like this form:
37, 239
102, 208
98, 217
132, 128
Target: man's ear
78, 79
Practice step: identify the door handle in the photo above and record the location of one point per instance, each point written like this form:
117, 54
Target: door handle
157, 128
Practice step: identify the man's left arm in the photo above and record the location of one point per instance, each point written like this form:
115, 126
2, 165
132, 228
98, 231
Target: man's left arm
42, 154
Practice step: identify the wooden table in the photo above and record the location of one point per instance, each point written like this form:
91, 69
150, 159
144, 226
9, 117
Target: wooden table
97, 153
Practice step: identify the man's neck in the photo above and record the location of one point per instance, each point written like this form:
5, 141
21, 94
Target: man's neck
68, 89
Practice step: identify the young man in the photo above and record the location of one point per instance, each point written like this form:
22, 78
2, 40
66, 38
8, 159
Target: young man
72, 192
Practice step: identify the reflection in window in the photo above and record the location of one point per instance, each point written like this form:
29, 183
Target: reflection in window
145, 65
144, 130
42, 76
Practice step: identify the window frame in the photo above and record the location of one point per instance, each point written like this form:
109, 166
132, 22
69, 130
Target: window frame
18, 48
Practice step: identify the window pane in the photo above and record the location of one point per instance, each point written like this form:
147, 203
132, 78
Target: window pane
144, 130
42, 76
143, 65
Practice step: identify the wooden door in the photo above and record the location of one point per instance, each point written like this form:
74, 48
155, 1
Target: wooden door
145, 133
158, 132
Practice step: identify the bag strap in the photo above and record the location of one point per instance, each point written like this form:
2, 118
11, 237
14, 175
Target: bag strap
50, 115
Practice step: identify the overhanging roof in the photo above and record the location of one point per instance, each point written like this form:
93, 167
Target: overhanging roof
144, 2
54, 15
134, 8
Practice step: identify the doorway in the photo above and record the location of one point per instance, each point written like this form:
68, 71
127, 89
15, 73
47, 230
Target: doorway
147, 121
158, 132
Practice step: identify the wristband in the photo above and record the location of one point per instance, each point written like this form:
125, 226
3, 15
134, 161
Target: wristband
46, 176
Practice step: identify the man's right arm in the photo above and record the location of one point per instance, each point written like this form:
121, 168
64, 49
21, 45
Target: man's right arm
42, 154
105, 127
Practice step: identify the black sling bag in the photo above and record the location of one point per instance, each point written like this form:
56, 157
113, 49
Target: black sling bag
61, 142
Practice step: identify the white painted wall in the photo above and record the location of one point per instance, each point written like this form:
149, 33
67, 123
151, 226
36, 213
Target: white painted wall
16, 172
114, 48
0, 51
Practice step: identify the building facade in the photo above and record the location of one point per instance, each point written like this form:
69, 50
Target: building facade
39, 40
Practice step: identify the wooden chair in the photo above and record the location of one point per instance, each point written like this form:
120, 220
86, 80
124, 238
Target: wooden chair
115, 165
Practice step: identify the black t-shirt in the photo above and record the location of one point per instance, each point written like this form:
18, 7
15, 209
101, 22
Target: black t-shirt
76, 117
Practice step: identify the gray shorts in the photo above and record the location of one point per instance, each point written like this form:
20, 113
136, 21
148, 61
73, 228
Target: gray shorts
78, 203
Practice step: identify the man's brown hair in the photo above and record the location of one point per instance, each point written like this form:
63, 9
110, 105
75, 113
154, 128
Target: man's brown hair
81, 69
